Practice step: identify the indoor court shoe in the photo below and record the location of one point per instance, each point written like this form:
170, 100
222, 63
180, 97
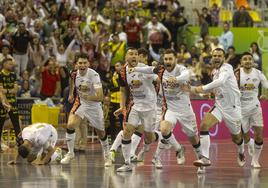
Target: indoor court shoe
67, 158
201, 170
241, 159
180, 156
157, 162
255, 164
202, 162
127, 167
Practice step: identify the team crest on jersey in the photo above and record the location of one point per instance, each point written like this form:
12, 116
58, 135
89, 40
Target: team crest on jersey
248, 87
136, 83
254, 79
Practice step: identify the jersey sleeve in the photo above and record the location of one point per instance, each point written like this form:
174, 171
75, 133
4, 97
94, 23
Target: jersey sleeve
223, 76
264, 81
96, 81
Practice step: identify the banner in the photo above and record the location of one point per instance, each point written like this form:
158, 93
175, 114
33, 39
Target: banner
220, 131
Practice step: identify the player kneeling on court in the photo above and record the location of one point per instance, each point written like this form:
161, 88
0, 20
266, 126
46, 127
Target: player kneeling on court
37, 144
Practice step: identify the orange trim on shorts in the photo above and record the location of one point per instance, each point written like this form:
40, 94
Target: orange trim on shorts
76, 105
127, 112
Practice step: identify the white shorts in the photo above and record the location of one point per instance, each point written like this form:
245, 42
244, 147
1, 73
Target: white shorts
94, 116
255, 119
187, 122
232, 118
147, 119
158, 119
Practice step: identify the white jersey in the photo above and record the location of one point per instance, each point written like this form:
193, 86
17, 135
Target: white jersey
41, 135
175, 99
141, 89
88, 83
225, 88
249, 87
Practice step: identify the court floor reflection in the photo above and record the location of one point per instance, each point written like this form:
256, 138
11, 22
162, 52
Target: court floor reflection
87, 171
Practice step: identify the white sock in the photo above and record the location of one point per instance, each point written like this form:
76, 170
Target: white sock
160, 148
105, 145
241, 147
70, 138
257, 151
172, 141
126, 147
250, 142
117, 141
205, 144
135, 140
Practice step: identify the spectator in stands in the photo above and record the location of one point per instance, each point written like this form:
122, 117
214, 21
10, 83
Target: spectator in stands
232, 58
214, 12
118, 49
50, 86
195, 69
155, 33
183, 55
21, 40
24, 91
36, 81
206, 16
227, 37
203, 24
5, 54
173, 24
215, 43
134, 33
255, 51
242, 18
36, 51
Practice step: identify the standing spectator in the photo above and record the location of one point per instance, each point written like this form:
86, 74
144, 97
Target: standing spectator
215, 12
118, 49
206, 16
21, 40
232, 58
155, 33
242, 18
173, 24
255, 51
203, 24
36, 51
8, 91
50, 86
134, 33
227, 37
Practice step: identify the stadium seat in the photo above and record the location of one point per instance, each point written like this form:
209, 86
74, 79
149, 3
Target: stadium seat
255, 16
226, 16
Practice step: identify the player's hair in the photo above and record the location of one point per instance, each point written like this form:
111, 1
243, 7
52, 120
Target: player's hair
170, 51
23, 151
130, 48
82, 56
246, 53
143, 51
219, 49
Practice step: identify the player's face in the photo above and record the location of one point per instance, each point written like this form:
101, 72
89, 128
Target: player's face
82, 64
169, 61
132, 57
217, 58
247, 61
143, 59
